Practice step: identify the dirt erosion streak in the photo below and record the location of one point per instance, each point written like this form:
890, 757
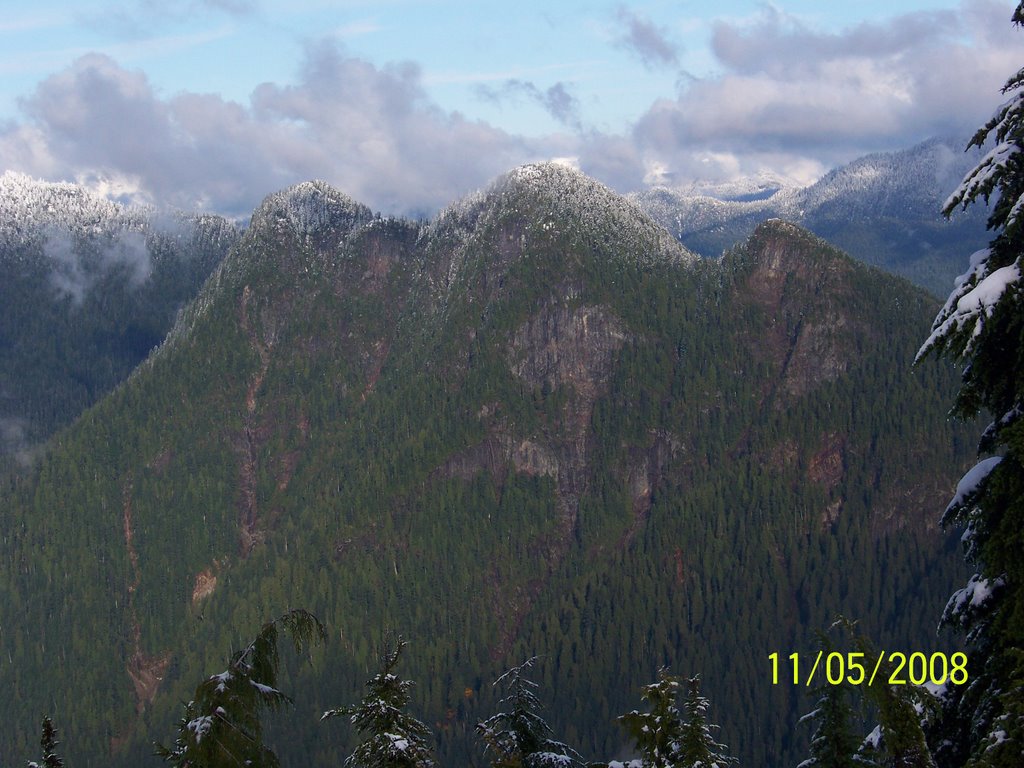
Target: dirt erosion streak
248, 508
146, 672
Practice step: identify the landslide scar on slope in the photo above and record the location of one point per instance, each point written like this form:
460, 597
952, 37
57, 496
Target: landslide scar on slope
146, 672
248, 511
576, 347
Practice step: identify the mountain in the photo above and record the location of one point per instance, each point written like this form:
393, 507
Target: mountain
87, 288
535, 425
884, 209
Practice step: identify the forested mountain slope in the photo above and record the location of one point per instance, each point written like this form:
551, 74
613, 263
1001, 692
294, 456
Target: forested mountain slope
87, 289
535, 425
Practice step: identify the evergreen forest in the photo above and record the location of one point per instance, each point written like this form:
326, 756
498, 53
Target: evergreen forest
533, 427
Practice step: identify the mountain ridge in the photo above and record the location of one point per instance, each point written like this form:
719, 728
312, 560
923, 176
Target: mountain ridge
503, 440
311, 208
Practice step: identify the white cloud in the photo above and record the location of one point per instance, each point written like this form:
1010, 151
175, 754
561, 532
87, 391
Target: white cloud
788, 99
647, 40
357, 29
789, 93
371, 131
557, 100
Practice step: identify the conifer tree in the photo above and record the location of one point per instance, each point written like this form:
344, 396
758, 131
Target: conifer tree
394, 738
221, 726
657, 733
981, 326
899, 740
519, 737
833, 744
697, 747
668, 738
48, 741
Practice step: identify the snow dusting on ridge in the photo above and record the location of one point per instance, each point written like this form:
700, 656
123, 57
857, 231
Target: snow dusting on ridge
560, 198
310, 207
29, 207
580, 200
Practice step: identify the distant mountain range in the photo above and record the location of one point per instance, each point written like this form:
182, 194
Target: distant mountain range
883, 209
535, 424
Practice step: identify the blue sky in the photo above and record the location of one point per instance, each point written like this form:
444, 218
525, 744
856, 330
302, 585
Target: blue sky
408, 104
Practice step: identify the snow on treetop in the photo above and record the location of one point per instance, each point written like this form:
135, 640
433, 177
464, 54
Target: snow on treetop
266, 690
874, 739
200, 726
557, 198
222, 681
29, 207
977, 181
573, 197
34, 212
971, 482
972, 302
311, 207
978, 591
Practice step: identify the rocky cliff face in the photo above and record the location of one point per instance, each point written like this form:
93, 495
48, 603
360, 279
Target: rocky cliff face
805, 297
818, 325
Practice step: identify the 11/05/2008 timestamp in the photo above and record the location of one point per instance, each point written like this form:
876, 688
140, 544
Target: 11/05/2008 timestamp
855, 668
